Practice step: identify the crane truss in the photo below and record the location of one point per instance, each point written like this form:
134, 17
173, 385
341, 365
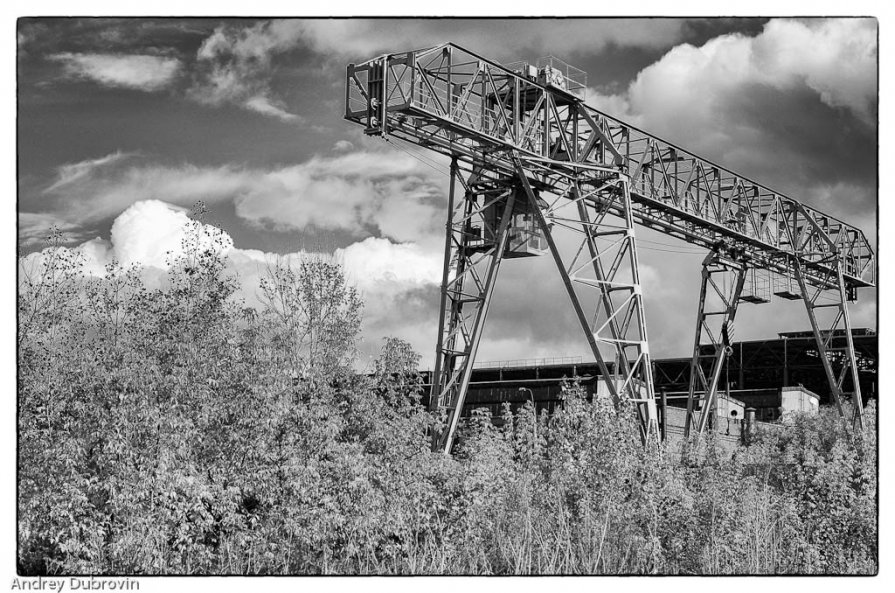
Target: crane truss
601, 279
521, 132
719, 297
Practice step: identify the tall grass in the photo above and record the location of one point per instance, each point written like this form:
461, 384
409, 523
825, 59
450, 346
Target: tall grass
172, 430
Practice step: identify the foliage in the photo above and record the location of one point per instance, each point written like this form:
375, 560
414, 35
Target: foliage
172, 430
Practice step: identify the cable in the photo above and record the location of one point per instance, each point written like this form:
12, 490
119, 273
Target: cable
417, 157
410, 151
647, 247
693, 249
423, 156
670, 251
700, 253
406, 151
414, 156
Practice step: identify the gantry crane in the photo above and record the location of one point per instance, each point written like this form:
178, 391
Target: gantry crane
530, 157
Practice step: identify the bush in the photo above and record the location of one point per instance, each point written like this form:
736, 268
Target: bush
174, 431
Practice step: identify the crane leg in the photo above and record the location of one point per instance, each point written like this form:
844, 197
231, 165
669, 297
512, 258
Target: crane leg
618, 321
719, 296
830, 345
471, 246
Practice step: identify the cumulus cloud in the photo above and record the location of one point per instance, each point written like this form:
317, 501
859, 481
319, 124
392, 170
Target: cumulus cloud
530, 314
150, 234
141, 72
802, 91
835, 58
360, 192
374, 262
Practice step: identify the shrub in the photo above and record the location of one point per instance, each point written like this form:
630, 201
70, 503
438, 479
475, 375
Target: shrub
174, 431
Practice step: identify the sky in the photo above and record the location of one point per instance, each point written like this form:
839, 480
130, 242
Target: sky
124, 124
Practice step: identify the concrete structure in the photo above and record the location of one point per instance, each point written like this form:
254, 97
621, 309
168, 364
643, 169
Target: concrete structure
798, 400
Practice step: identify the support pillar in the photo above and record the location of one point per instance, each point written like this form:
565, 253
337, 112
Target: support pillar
610, 273
824, 338
473, 244
719, 296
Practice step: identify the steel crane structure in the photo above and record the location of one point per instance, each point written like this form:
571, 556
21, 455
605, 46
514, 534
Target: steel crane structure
528, 157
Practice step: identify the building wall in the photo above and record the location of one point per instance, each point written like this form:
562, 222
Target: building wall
730, 408
798, 399
729, 434
789, 360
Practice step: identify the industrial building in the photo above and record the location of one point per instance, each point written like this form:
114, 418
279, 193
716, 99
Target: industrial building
774, 377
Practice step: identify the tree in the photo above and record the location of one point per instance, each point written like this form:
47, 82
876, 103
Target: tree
312, 314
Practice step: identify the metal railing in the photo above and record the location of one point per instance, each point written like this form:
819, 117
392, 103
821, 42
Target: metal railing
456, 102
528, 362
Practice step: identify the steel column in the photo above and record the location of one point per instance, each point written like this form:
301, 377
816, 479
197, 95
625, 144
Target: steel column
567, 282
705, 389
618, 320
448, 236
458, 343
824, 340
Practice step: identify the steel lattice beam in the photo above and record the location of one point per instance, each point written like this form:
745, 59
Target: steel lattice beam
608, 272
719, 298
618, 320
465, 296
453, 101
517, 137
824, 340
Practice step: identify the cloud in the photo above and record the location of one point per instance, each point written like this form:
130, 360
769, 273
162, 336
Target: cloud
802, 91
104, 192
140, 72
530, 314
786, 55
35, 227
360, 192
792, 117
374, 262
73, 172
150, 234
264, 106
394, 193
42, 36
233, 66
342, 146
501, 39
814, 52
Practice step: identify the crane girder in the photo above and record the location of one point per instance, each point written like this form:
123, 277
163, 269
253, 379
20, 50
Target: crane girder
526, 132
453, 101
